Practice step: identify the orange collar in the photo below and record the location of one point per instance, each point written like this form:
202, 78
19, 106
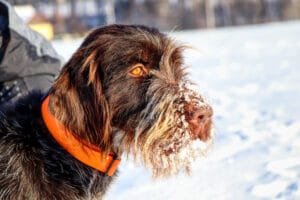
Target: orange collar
87, 154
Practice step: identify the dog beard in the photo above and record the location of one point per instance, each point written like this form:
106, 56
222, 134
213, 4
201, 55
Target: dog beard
165, 132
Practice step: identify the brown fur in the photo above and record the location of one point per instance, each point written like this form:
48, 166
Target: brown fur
96, 98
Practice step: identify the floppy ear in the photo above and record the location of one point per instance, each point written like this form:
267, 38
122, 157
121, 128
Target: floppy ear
78, 101
93, 66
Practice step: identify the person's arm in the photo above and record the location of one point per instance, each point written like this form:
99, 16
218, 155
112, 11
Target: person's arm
27, 60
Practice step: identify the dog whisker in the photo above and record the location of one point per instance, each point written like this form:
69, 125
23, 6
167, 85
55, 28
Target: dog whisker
123, 92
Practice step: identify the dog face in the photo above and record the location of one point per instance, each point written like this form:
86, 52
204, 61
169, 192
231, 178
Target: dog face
125, 88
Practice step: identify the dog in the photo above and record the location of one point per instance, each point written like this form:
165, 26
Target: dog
123, 92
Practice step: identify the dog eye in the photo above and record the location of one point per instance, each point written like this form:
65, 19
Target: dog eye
138, 70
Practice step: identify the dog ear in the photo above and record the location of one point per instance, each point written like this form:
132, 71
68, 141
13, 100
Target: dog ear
78, 101
92, 65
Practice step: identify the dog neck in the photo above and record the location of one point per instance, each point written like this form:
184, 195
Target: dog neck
90, 155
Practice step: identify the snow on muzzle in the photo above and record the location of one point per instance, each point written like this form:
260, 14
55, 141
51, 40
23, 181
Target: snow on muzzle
176, 128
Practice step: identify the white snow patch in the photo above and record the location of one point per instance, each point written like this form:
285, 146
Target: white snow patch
269, 190
251, 77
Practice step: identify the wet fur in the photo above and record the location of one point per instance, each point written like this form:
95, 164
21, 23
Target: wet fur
33, 166
96, 99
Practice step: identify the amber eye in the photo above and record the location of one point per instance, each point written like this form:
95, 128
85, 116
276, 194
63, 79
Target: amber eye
138, 70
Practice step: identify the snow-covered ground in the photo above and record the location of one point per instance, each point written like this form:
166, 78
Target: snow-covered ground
251, 76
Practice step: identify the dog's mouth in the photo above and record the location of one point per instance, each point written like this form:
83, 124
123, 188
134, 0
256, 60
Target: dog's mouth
176, 129
193, 129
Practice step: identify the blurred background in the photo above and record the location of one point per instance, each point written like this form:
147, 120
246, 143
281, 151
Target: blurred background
249, 74
61, 18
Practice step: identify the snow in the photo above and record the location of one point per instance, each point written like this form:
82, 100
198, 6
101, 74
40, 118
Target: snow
250, 75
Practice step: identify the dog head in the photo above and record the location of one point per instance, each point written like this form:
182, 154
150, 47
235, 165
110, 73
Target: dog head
125, 89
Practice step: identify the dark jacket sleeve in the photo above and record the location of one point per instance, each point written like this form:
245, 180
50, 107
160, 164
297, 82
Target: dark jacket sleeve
27, 60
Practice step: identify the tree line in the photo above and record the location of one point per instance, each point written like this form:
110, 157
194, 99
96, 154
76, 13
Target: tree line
78, 15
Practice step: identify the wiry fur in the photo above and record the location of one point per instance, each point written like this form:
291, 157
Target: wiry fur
33, 166
100, 103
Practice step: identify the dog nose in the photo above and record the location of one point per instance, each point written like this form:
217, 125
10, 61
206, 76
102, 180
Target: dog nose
199, 118
201, 114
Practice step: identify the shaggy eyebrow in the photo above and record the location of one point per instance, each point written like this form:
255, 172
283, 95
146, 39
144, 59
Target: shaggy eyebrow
144, 62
